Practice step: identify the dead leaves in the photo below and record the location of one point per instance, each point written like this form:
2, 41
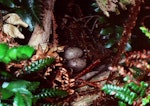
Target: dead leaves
12, 31
14, 19
112, 5
12, 22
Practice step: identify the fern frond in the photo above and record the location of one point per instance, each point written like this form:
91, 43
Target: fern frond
146, 100
138, 89
33, 86
52, 92
122, 93
38, 65
128, 93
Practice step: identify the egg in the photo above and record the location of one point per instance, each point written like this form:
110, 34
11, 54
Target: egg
72, 52
77, 64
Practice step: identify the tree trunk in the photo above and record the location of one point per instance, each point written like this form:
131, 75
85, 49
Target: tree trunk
41, 36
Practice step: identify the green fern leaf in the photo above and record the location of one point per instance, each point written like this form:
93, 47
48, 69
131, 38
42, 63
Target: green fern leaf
33, 86
38, 65
52, 92
122, 93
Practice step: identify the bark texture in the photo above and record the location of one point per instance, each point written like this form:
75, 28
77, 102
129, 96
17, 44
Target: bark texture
41, 36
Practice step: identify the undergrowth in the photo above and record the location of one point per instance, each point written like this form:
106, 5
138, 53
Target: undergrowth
30, 77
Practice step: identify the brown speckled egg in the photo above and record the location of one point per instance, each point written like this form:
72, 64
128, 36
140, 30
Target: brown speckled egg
72, 52
77, 64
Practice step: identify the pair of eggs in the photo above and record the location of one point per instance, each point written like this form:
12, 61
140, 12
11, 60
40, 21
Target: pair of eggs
73, 56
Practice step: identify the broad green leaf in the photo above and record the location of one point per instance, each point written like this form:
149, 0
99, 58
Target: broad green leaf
118, 31
26, 17
102, 20
5, 94
33, 9
106, 31
8, 3
110, 43
21, 99
94, 5
15, 86
97, 9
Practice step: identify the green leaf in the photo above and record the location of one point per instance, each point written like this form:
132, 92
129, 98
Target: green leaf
6, 60
102, 20
106, 31
8, 3
146, 100
12, 53
31, 12
3, 49
33, 86
5, 94
5, 75
94, 5
97, 10
51, 92
26, 16
25, 52
145, 31
137, 71
110, 43
22, 100
120, 103
118, 31
15, 86
38, 65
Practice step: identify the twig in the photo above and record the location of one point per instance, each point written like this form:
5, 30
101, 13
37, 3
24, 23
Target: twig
89, 68
128, 26
87, 83
54, 27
